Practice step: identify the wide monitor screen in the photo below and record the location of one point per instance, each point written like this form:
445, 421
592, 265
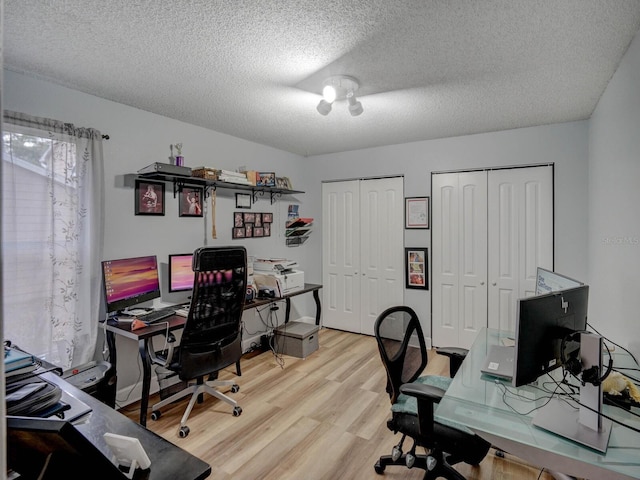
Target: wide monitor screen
180, 272
548, 281
130, 281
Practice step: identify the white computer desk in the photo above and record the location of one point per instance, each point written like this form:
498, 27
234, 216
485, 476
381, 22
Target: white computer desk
477, 401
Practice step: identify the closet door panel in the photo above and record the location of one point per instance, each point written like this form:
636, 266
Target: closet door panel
382, 259
340, 244
444, 259
520, 237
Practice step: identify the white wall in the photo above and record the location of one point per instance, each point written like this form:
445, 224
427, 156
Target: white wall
614, 204
563, 144
139, 138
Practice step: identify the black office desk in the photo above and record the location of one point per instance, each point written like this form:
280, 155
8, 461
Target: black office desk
168, 461
144, 335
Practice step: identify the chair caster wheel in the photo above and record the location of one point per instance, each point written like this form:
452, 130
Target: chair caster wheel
410, 460
235, 388
396, 453
184, 431
155, 415
378, 468
237, 411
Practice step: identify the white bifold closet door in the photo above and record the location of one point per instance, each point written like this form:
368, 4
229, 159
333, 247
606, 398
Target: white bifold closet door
362, 244
490, 230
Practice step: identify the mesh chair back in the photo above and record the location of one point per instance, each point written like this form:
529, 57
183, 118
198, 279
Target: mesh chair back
402, 347
217, 303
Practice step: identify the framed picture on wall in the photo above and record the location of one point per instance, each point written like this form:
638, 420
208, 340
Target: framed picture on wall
243, 200
149, 197
190, 201
416, 272
416, 212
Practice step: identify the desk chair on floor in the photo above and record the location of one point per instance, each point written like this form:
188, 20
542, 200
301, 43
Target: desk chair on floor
404, 355
211, 339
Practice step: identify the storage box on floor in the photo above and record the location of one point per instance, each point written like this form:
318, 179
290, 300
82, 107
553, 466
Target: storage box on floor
297, 339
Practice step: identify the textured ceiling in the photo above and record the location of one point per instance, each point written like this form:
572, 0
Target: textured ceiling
254, 68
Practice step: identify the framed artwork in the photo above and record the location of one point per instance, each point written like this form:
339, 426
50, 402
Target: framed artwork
243, 200
190, 201
149, 197
281, 182
266, 179
416, 274
416, 212
252, 224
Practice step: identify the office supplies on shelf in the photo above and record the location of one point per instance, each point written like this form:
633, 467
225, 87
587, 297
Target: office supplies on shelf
15, 359
166, 169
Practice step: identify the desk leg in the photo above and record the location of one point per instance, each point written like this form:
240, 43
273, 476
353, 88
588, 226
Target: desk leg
287, 310
316, 297
146, 381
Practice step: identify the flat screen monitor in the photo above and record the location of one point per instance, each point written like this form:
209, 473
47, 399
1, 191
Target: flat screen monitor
52, 449
543, 322
548, 281
181, 272
130, 281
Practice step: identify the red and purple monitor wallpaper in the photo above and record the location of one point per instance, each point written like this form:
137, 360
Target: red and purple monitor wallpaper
180, 272
130, 277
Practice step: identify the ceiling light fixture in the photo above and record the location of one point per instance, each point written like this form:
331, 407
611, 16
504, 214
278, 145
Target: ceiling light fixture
339, 87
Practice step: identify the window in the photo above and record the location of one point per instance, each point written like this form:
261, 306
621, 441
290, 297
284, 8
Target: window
52, 236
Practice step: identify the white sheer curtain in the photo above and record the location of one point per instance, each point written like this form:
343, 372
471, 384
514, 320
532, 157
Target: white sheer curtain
52, 224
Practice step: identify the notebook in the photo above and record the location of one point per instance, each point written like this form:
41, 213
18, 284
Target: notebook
499, 362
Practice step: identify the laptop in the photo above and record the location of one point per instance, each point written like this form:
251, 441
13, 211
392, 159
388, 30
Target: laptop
499, 362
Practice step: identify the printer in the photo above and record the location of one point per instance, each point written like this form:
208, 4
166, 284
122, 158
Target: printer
279, 275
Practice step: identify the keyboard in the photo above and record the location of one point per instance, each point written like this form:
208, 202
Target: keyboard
156, 315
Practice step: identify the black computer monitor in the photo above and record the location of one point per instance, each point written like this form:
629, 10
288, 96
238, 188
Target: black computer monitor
51, 449
543, 326
181, 272
130, 281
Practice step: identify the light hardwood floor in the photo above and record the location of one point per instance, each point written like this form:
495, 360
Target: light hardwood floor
320, 418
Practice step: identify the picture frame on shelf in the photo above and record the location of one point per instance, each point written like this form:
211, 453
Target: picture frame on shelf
243, 200
416, 268
190, 201
149, 197
416, 212
266, 179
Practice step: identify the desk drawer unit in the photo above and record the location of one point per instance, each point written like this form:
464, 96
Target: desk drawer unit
297, 339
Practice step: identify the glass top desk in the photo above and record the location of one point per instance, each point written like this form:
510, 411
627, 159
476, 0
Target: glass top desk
476, 400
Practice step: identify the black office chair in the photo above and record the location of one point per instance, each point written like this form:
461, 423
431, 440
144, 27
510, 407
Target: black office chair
211, 339
404, 354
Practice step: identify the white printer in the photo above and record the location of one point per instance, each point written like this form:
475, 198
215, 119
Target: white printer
278, 274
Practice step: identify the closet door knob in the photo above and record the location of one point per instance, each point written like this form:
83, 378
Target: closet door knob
481, 283
494, 284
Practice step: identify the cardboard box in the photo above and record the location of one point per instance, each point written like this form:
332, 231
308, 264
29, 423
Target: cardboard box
297, 339
205, 172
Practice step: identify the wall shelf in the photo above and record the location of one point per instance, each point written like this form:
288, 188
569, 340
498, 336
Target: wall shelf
256, 191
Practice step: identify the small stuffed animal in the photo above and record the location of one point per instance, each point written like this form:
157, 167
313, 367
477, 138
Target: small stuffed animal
616, 383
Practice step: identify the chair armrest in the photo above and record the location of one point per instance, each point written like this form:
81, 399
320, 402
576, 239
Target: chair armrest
423, 392
456, 356
426, 395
